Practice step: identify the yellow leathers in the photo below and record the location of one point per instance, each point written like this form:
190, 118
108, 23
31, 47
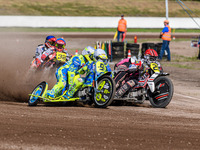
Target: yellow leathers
167, 35
122, 25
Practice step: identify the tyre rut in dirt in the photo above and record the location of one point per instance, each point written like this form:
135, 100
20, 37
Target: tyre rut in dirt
163, 92
38, 90
106, 87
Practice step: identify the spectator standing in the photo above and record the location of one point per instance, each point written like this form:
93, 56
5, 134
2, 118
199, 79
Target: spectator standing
166, 37
122, 27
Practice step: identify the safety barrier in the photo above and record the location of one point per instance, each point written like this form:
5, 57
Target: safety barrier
134, 48
97, 22
120, 50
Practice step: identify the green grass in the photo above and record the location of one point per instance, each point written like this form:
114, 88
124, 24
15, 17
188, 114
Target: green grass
146, 8
181, 66
180, 61
179, 58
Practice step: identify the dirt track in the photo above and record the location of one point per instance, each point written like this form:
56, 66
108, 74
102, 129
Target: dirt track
84, 127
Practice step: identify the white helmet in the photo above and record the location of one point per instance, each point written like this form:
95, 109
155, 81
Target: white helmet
88, 52
100, 54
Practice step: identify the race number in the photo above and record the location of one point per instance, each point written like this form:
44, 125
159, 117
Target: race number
61, 56
154, 67
100, 67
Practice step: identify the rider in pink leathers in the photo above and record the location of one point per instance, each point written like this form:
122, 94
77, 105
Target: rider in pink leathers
49, 43
135, 70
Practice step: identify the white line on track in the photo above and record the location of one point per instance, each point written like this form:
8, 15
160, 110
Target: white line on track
187, 96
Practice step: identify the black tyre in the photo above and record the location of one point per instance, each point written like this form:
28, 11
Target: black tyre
117, 44
105, 95
118, 53
163, 92
133, 45
38, 90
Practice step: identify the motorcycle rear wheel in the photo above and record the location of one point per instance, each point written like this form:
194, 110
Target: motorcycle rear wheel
38, 90
106, 87
162, 96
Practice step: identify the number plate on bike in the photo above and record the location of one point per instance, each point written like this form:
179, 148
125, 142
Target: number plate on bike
154, 67
61, 56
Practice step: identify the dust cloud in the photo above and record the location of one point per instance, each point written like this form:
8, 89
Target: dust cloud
17, 80
17, 49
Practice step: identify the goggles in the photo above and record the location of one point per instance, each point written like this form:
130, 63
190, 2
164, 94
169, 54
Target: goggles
60, 46
52, 43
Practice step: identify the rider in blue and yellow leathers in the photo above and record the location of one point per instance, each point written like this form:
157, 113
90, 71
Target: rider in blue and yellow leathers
89, 69
66, 74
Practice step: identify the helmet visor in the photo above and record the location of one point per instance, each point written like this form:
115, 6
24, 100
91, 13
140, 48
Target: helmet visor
52, 43
60, 46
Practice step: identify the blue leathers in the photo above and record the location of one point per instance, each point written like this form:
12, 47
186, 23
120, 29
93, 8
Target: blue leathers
86, 81
65, 75
88, 68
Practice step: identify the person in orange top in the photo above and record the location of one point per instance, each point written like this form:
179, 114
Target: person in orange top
166, 37
122, 27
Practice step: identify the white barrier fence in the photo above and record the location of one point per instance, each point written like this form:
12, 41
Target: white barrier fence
94, 22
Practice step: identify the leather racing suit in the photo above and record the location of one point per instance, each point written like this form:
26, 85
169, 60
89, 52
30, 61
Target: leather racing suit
65, 75
86, 81
128, 75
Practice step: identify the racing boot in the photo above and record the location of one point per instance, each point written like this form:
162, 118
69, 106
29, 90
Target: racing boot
50, 94
56, 90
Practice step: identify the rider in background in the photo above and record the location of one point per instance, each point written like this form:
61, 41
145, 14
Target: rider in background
88, 68
66, 73
59, 46
49, 43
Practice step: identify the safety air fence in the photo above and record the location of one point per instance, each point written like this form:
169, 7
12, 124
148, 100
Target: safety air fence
96, 22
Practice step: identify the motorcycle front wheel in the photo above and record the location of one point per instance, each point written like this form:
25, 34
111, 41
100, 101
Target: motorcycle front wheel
38, 90
104, 95
163, 93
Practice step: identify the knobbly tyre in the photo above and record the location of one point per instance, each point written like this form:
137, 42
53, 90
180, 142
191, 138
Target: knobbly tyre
101, 94
55, 60
155, 87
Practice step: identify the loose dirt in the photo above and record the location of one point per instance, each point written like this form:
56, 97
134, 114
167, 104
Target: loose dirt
84, 127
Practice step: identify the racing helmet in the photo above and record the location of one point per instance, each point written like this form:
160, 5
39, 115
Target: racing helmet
100, 55
88, 53
60, 44
150, 55
50, 41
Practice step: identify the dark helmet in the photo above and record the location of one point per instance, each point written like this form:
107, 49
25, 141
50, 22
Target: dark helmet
50, 41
